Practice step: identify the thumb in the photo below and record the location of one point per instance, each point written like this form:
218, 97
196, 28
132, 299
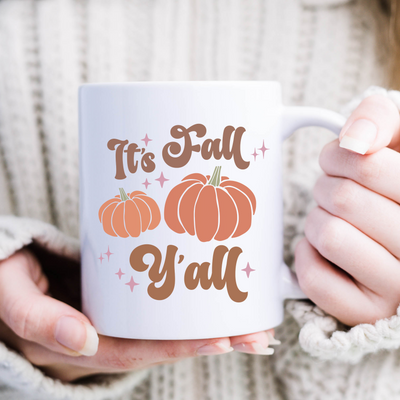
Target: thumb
374, 124
38, 318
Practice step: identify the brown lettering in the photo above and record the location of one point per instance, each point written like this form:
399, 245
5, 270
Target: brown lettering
234, 151
132, 164
118, 146
229, 278
147, 162
172, 152
155, 274
211, 148
176, 156
197, 273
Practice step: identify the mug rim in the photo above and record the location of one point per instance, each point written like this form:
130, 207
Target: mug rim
272, 83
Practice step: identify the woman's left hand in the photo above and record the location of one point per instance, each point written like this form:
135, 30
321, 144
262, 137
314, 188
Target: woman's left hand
349, 262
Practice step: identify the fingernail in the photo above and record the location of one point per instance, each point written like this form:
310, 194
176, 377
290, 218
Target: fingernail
359, 136
213, 349
253, 348
76, 335
272, 340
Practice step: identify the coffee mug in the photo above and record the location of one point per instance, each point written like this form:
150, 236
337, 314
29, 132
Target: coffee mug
181, 206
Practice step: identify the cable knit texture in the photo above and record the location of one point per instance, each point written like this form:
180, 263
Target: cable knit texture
326, 53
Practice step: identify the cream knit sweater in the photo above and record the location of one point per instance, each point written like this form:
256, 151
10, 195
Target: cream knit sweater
324, 52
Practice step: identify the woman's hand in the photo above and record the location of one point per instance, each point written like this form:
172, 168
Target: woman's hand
349, 262
53, 335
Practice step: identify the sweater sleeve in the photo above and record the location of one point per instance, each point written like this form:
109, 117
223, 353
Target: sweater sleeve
322, 335
16, 372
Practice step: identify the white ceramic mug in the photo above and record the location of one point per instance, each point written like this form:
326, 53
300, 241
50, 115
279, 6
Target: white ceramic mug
181, 206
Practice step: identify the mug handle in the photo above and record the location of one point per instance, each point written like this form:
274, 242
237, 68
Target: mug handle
293, 118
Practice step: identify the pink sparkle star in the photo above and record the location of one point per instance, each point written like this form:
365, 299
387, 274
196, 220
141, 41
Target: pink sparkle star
255, 154
146, 140
131, 284
248, 270
263, 149
108, 254
162, 179
119, 273
101, 258
146, 183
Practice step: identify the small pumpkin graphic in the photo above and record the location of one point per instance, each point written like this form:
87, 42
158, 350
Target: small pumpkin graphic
210, 208
129, 214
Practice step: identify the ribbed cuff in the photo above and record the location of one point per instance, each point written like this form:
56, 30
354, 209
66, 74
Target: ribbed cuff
324, 337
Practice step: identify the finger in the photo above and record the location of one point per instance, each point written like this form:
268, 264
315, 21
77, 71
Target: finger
69, 373
374, 124
344, 245
123, 354
378, 172
333, 290
67, 368
265, 338
117, 355
374, 215
255, 343
39, 318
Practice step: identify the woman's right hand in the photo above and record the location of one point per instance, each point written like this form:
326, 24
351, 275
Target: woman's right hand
62, 342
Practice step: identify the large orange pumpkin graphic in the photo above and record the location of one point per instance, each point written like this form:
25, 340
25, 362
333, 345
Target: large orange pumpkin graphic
210, 208
129, 214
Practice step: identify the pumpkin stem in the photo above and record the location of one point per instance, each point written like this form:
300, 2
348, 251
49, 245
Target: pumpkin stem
215, 179
124, 196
